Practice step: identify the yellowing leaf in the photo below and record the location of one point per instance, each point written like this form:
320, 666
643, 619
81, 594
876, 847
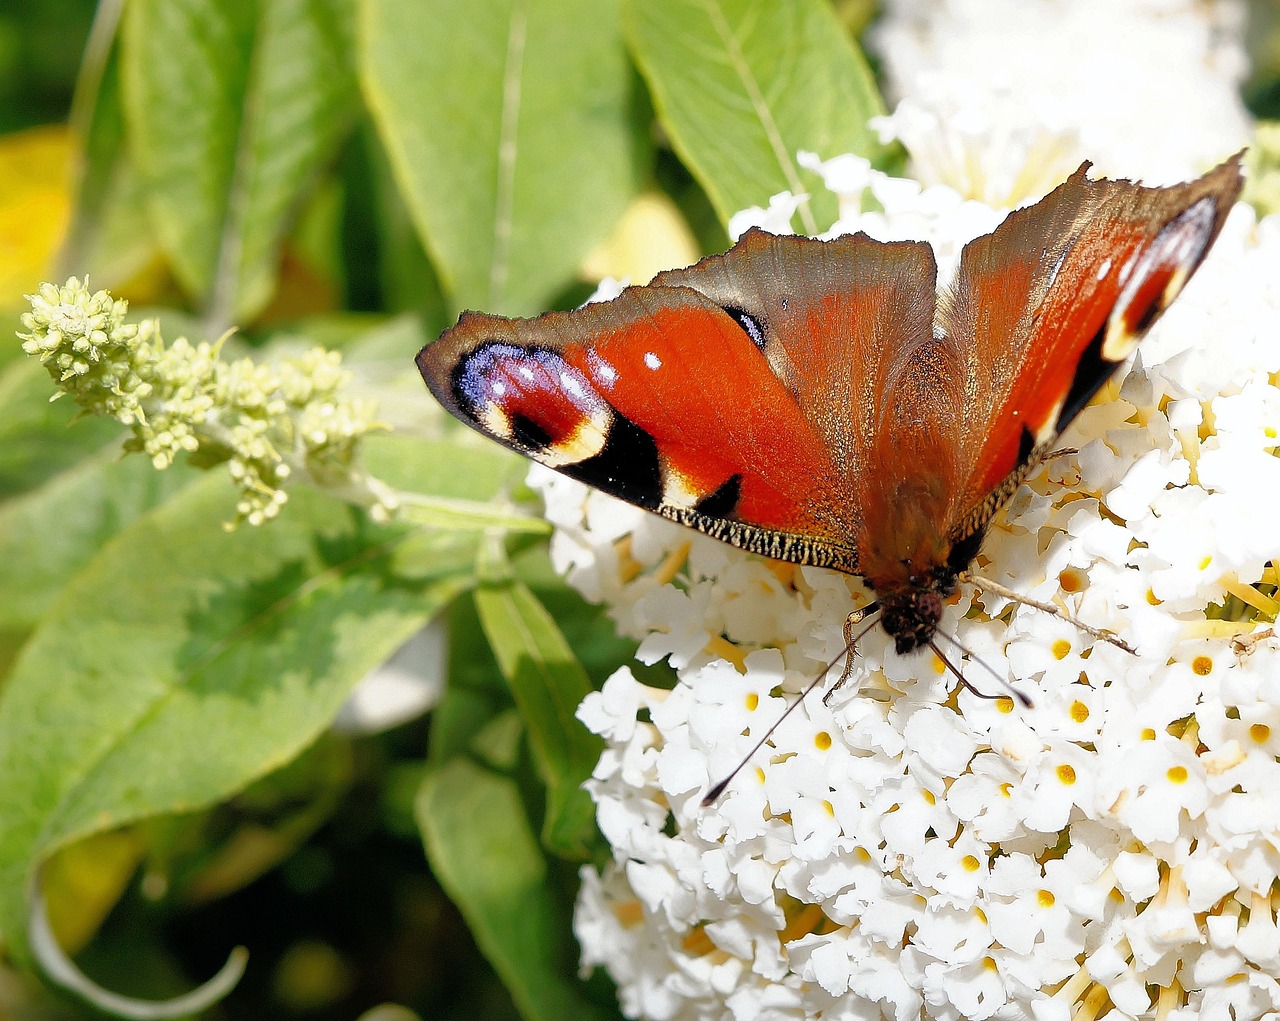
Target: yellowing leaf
652, 236
34, 207
82, 882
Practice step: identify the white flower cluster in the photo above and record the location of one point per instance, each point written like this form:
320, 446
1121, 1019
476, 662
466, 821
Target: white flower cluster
1003, 98
911, 849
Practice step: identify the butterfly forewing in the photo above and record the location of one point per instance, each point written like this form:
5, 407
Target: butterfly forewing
658, 397
835, 319
1049, 305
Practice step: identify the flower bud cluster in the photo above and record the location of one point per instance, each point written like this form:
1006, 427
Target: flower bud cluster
267, 422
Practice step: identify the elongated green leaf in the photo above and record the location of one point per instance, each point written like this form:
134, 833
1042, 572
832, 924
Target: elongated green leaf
104, 239
451, 483
406, 277
233, 109
741, 85
547, 682
587, 627
511, 132
47, 535
437, 512
185, 661
460, 466
483, 850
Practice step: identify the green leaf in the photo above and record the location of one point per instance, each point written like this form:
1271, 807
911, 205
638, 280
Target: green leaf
454, 483
185, 661
587, 627
48, 534
104, 240
40, 438
483, 850
741, 86
460, 466
547, 682
233, 109
511, 131
468, 515
405, 275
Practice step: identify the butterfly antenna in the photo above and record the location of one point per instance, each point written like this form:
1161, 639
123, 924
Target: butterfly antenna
718, 789
1022, 699
987, 585
846, 654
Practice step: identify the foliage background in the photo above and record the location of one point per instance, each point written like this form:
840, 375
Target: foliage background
352, 173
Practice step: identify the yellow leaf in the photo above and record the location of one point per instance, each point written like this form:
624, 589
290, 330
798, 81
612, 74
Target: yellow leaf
83, 881
652, 236
35, 203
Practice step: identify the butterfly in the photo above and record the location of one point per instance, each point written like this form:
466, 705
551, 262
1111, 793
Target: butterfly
820, 402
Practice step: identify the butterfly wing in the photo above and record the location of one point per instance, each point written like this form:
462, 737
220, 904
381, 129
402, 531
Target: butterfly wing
1047, 307
795, 397
835, 320
717, 396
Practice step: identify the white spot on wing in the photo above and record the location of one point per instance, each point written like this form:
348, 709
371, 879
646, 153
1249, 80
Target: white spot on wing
573, 385
604, 373
498, 388
652, 360
1104, 269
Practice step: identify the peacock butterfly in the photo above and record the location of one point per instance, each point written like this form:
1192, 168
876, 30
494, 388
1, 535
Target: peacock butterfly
820, 402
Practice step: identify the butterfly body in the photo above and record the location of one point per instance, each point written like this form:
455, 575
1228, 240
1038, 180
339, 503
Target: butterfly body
819, 402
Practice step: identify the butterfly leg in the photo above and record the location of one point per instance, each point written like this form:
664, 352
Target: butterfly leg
987, 585
1243, 645
851, 645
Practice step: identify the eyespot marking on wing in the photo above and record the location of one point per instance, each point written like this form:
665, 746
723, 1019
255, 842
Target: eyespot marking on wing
1156, 277
534, 399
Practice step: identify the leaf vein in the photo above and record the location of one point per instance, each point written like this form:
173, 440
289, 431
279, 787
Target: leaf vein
760, 106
